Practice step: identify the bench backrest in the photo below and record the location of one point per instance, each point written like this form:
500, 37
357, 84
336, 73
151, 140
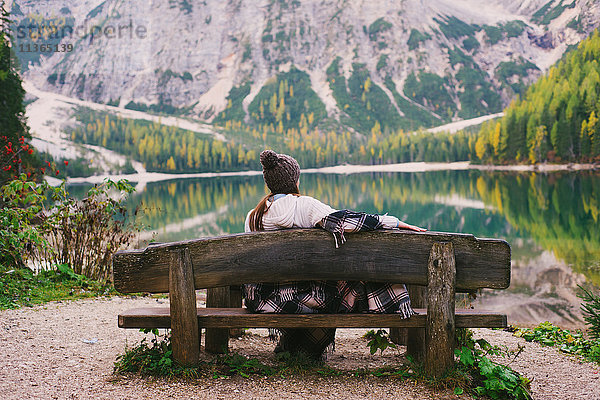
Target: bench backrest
310, 254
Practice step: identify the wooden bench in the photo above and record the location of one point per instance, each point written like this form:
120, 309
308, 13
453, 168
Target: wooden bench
443, 262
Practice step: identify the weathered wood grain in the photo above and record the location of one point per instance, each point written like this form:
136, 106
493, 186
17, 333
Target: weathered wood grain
439, 329
182, 297
241, 317
310, 254
415, 337
216, 340
235, 300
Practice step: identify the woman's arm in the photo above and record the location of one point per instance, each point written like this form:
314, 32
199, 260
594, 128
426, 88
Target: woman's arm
355, 223
391, 222
342, 221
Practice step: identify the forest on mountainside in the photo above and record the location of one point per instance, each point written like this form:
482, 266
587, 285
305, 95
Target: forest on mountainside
557, 118
171, 149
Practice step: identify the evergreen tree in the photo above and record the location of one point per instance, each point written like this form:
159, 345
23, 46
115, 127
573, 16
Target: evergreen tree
556, 119
16, 155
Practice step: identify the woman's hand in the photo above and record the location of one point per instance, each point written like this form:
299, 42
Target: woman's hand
404, 225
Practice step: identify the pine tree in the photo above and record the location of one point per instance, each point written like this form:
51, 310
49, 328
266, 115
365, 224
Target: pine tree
171, 164
13, 124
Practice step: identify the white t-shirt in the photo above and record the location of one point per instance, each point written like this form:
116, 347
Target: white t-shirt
292, 211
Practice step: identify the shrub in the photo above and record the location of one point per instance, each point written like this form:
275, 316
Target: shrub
19, 237
489, 378
569, 342
153, 358
379, 340
44, 224
86, 233
591, 310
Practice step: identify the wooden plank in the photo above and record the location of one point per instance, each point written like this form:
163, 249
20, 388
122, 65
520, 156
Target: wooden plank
241, 317
415, 337
182, 297
310, 254
235, 301
439, 329
216, 340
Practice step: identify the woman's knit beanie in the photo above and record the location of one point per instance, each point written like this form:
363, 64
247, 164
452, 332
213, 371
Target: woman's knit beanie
281, 172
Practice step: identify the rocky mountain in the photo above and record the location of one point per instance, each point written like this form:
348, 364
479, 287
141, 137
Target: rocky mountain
399, 64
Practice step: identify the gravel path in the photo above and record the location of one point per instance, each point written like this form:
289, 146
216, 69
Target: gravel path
45, 356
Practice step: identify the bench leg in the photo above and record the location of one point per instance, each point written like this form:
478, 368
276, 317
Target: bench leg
415, 337
235, 301
440, 327
184, 315
216, 340
399, 336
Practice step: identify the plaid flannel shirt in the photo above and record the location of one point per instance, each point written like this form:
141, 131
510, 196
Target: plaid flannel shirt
332, 296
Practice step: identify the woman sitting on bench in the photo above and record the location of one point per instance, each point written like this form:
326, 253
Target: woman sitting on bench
283, 208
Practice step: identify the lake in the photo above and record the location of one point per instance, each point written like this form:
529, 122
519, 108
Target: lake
550, 220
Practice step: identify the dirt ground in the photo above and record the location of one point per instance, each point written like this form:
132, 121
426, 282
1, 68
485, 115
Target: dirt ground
66, 350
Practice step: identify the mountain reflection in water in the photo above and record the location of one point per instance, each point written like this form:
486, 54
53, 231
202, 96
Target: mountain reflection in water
550, 220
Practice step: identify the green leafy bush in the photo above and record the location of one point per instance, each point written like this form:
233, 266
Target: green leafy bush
239, 364
490, 378
475, 369
379, 340
155, 358
568, 342
47, 226
86, 233
20, 236
149, 358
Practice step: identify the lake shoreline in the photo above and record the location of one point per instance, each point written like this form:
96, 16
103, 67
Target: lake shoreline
344, 169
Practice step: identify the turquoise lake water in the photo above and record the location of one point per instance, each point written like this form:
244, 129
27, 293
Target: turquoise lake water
550, 220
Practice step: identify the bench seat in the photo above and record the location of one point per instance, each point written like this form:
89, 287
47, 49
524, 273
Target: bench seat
241, 318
